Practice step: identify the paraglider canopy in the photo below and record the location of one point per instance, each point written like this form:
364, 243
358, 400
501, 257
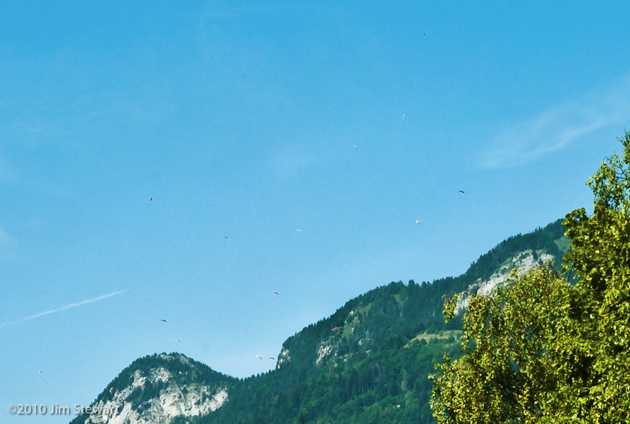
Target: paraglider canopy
163, 320
150, 199
335, 329
225, 237
259, 357
271, 358
275, 292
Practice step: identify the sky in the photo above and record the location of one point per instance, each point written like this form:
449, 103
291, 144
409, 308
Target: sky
133, 137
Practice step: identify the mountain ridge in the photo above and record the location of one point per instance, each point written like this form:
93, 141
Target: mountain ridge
367, 362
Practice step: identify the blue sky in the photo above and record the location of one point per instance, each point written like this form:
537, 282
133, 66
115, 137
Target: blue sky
241, 119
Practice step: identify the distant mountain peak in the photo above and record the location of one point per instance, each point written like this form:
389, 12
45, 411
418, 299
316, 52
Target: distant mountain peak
157, 389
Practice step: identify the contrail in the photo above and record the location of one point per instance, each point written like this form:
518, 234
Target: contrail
63, 308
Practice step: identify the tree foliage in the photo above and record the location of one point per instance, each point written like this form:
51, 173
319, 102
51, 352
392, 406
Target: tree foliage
542, 349
506, 371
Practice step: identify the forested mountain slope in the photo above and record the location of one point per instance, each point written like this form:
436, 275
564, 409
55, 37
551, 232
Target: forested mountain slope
370, 360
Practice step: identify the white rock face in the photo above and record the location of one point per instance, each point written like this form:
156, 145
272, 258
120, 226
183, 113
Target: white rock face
283, 358
523, 262
324, 350
188, 400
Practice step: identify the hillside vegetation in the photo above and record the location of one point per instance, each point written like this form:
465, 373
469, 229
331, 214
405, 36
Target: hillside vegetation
375, 367
369, 362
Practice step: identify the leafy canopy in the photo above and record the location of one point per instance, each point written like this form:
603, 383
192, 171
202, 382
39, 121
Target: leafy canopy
542, 349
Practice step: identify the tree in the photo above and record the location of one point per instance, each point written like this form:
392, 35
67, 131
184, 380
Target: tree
542, 349
600, 258
506, 371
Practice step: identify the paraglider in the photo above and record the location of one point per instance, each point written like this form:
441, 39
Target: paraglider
163, 320
298, 232
40, 373
355, 146
271, 358
150, 199
275, 292
225, 237
417, 221
462, 192
177, 340
259, 357
404, 116
335, 329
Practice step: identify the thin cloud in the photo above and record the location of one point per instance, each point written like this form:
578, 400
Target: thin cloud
556, 128
63, 308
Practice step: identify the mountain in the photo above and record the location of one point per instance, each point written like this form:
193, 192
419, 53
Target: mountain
368, 362
159, 389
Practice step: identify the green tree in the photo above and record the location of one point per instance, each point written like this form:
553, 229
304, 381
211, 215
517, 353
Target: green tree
600, 258
542, 349
507, 370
